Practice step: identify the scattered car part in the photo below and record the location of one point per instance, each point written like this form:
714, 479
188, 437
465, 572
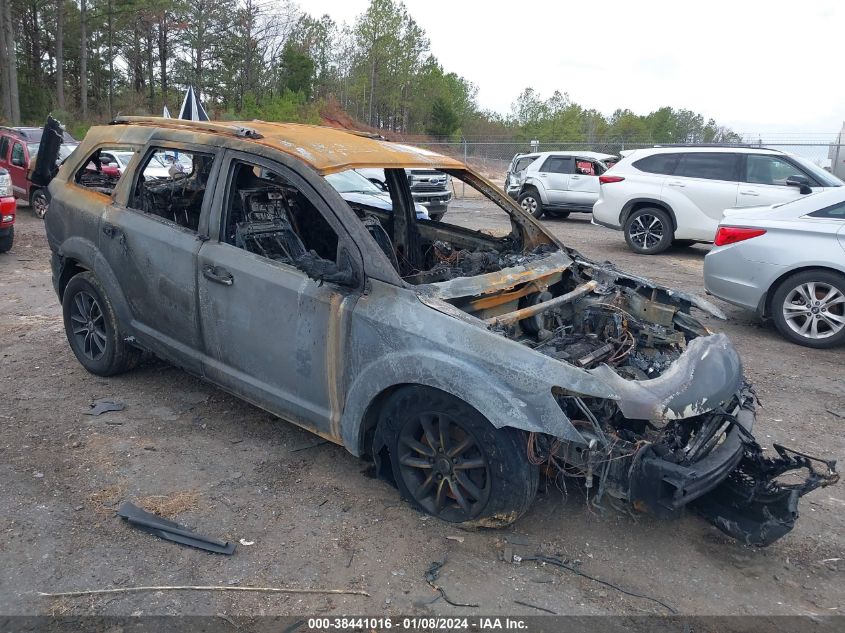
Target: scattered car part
170, 530
102, 405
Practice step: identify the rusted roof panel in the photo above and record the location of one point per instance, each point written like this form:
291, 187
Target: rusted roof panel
325, 149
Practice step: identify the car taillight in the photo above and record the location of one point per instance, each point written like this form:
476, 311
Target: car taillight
606, 180
732, 234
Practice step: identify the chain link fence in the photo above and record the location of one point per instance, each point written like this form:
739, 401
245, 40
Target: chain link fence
492, 158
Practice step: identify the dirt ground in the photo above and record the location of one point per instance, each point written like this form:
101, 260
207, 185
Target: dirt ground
316, 517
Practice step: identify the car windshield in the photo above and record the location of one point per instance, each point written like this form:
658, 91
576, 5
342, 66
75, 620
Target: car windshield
825, 178
65, 150
350, 181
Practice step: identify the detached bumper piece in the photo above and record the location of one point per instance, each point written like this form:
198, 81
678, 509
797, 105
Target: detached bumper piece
751, 506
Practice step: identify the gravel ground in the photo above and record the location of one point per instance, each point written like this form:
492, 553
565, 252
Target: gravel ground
316, 516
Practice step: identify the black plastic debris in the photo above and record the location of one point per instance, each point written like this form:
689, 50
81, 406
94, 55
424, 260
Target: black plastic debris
171, 531
104, 405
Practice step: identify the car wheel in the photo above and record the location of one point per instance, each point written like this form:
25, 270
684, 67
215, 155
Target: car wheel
648, 231
450, 462
7, 240
808, 308
531, 203
39, 202
93, 330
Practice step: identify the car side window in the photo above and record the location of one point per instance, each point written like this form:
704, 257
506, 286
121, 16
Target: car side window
557, 165
17, 155
761, 169
835, 212
587, 167
4, 147
708, 165
658, 164
522, 163
266, 214
171, 184
99, 171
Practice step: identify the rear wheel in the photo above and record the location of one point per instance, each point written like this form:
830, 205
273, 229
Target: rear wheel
93, 330
531, 203
39, 202
449, 461
648, 231
7, 240
808, 308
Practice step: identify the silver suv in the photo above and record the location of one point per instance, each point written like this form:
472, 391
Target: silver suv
556, 183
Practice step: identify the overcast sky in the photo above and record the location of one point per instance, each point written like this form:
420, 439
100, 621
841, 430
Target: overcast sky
756, 66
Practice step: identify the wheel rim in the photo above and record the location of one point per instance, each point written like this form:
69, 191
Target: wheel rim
529, 203
646, 231
40, 205
815, 310
88, 325
443, 467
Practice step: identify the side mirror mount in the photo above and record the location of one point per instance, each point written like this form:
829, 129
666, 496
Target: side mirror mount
802, 182
323, 270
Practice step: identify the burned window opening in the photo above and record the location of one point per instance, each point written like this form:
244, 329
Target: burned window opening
270, 217
98, 173
174, 190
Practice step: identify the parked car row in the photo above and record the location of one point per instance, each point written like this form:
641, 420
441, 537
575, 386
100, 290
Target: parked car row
777, 221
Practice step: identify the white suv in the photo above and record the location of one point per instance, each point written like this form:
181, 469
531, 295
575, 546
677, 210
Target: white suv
662, 195
556, 183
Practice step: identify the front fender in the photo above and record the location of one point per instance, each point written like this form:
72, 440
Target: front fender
485, 392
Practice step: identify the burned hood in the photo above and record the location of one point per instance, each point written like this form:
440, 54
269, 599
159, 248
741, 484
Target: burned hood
705, 376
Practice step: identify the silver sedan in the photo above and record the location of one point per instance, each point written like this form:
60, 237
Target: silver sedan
786, 262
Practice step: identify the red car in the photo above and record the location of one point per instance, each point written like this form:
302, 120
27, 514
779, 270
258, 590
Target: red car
18, 149
7, 211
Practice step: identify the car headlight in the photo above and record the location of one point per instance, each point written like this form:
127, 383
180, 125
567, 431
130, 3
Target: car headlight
5, 185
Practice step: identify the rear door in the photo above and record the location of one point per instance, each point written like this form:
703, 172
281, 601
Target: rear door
554, 174
271, 333
151, 237
709, 181
584, 183
764, 180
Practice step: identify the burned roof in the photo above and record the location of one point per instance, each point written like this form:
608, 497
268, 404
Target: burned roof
326, 149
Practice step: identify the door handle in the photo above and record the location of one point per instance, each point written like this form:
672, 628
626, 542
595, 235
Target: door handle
218, 275
749, 192
676, 183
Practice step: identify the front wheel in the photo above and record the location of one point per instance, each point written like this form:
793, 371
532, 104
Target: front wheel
808, 308
449, 461
531, 203
93, 329
39, 202
649, 231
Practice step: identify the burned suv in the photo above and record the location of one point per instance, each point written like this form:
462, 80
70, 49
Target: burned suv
464, 363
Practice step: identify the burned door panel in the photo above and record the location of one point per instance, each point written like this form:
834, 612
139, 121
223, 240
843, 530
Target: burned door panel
271, 333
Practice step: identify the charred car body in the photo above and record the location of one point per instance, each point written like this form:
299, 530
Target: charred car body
463, 363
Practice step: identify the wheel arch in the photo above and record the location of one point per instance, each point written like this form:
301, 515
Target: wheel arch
536, 185
78, 254
488, 395
640, 203
764, 308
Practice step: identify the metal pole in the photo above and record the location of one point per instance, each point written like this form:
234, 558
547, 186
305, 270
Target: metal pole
463, 184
